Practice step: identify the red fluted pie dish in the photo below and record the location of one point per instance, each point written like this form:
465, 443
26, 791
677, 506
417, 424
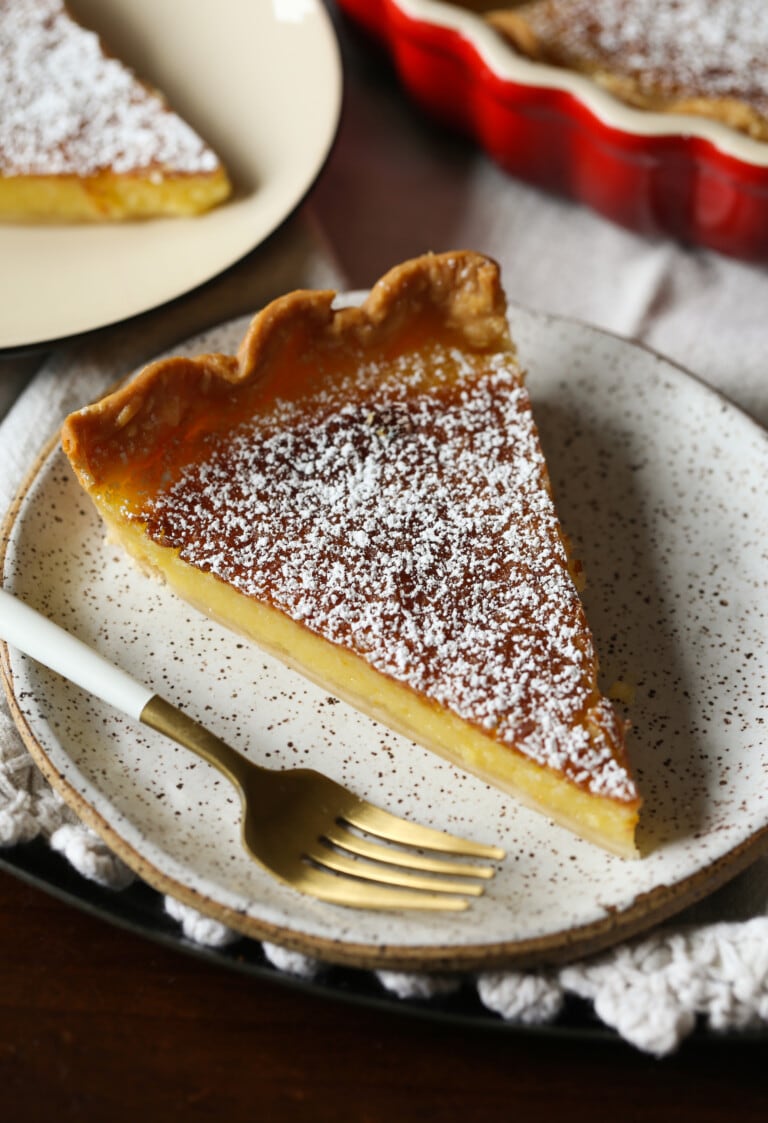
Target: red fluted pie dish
659, 174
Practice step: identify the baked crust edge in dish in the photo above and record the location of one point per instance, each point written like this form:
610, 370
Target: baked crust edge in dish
518, 25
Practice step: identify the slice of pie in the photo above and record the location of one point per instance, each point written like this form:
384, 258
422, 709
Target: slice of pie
81, 138
362, 492
703, 57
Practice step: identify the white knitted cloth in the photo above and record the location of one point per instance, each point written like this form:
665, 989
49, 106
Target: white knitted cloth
712, 964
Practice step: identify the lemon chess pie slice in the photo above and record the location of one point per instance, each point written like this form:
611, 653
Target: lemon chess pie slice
362, 492
81, 138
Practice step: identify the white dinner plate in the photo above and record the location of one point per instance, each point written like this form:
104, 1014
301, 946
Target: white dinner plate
261, 81
661, 485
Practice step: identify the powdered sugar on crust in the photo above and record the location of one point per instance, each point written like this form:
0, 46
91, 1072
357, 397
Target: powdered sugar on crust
410, 521
67, 109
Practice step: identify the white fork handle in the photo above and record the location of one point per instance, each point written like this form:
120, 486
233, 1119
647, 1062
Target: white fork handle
35, 635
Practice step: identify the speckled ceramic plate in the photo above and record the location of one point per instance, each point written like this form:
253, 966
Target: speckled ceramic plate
262, 83
659, 481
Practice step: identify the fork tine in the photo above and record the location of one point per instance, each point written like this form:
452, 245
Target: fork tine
331, 859
363, 848
384, 824
361, 894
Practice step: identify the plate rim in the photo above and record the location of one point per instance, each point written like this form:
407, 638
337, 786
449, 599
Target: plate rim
19, 861
647, 910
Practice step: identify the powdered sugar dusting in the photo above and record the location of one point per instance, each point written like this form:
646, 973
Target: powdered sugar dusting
709, 48
68, 109
410, 521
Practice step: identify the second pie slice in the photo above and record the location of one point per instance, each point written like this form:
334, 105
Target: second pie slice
362, 492
82, 138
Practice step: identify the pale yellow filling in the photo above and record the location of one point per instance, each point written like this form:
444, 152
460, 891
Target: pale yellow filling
107, 196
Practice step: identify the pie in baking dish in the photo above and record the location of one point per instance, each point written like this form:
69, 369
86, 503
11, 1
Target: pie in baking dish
361, 490
703, 57
81, 138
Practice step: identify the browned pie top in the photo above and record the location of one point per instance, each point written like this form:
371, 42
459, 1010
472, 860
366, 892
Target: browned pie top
376, 474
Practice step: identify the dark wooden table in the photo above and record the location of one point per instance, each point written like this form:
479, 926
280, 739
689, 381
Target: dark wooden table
99, 1023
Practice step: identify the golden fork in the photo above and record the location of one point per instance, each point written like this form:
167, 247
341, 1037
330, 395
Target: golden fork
303, 827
